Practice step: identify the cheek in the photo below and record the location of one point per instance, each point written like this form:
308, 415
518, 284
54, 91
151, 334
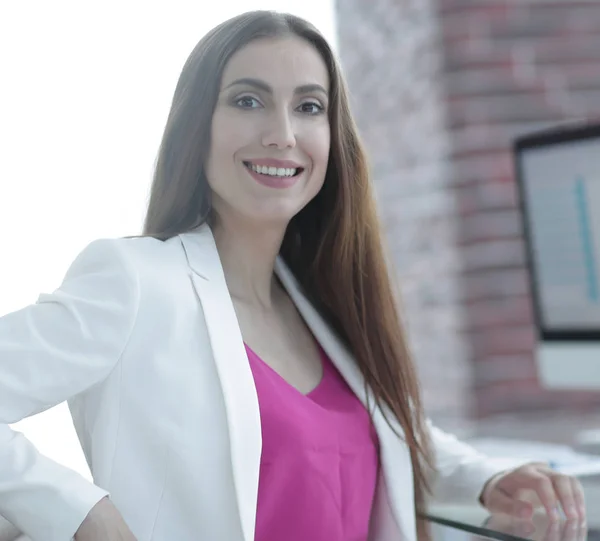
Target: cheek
326, 148
223, 146
316, 143
320, 152
228, 135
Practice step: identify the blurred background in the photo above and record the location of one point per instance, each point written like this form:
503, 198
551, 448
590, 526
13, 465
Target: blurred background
440, 89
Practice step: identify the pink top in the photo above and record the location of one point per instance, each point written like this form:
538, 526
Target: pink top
319, 461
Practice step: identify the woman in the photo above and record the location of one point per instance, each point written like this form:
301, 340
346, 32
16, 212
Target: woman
239, 372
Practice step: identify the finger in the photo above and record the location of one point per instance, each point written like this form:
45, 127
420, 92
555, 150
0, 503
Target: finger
571, 530
500, 502
553, 531
506, 524
582, 533
522, 529
564, 491
538, 482
579, 496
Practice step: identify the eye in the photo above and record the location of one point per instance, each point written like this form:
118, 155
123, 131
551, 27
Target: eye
247, 102
311, 108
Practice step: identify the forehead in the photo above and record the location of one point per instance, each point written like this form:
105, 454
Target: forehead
281, 61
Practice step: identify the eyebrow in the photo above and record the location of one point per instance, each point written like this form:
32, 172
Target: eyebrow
261, 85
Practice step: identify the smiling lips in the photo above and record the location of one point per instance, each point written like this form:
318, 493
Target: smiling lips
274, 173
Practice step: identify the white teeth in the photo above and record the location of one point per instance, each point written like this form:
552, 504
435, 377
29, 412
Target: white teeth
273, 171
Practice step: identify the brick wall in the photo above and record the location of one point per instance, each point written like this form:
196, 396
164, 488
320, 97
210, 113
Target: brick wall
439, 89
393, 64
510, 67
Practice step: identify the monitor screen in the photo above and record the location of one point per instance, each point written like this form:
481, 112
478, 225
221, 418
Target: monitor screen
559, 182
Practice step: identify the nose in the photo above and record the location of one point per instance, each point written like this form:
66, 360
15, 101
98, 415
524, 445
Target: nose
279, 131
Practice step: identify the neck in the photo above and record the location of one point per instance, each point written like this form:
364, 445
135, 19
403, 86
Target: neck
248, 255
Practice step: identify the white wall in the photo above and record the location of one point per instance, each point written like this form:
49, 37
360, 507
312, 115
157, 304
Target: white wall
84, 94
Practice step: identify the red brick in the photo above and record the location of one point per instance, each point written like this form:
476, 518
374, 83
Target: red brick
495, 283
493, 254
509, 311
480, 168
515, 397
560, 49
505, 368
489, 8
491, 225
503, 340
586, 102
541, 20
489, 59
493, 195
494, 112
505, 8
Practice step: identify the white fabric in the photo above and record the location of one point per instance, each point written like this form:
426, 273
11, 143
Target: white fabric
143, 341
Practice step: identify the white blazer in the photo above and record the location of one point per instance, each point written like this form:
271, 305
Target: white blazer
143, 341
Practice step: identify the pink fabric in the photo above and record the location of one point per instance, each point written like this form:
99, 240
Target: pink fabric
319, 463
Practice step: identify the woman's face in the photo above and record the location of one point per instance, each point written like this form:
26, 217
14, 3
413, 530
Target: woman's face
270, 132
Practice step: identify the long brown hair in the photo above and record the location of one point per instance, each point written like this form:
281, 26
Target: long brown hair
333, 246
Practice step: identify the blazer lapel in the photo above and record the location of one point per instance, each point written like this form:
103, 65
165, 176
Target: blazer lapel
235, 375
395, 493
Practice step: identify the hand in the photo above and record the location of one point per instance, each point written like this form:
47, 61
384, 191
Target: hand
104, 523
538, 528
517, 493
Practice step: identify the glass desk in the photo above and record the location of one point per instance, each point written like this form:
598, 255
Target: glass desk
456, 523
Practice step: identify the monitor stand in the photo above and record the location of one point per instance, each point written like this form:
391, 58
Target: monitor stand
588, 441
569, 365
574, 366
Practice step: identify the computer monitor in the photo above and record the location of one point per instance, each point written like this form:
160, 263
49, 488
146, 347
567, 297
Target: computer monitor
558, 177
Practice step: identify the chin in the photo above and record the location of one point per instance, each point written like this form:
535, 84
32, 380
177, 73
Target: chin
277, 214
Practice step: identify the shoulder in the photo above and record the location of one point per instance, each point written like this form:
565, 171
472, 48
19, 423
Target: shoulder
132, 250
151, 261
132, 258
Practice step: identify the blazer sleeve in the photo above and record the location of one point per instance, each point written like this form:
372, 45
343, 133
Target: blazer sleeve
462, 471
51, 351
